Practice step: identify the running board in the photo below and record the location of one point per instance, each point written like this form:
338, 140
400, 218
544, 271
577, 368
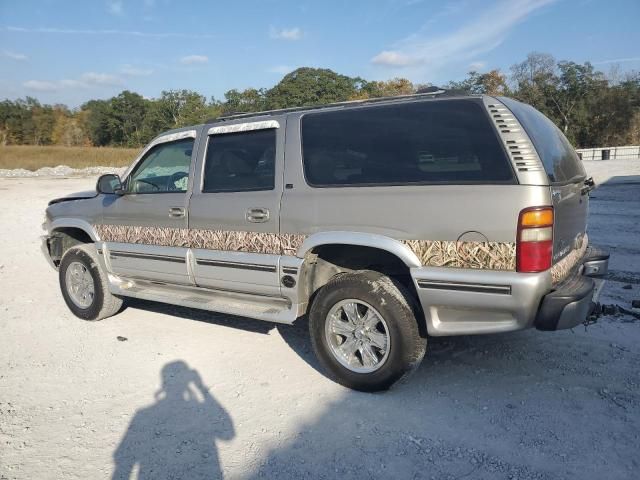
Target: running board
270, 309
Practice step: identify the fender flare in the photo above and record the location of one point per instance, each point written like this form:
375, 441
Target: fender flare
391, 245
75, 223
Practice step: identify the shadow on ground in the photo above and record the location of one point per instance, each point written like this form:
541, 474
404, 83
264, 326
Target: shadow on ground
176, 436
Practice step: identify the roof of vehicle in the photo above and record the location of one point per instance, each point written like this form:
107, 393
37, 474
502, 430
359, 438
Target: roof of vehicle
439, 93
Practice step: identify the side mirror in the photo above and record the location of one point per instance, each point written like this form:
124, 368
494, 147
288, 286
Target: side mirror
110, 184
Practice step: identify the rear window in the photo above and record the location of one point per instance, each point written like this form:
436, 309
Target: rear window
560, 160
426, 142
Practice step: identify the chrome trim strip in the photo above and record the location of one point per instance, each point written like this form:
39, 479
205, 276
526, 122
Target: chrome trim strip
244, 266
465, 287
147, 256
243, 127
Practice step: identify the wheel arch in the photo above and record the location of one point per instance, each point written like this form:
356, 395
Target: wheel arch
66, 233
328, 254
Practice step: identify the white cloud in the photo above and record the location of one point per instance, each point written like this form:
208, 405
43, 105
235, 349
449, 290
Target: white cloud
281, 69
86, 80
617, 60
93, 78
132, 71
41, 86
194, 59
480, 35
290, 34
114, 7
14, 55
477, 66
394, 58
133, 33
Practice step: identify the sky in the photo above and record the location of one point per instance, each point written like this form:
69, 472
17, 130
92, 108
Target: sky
70, 51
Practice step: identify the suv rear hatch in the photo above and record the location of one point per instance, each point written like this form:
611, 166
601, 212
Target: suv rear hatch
567, 178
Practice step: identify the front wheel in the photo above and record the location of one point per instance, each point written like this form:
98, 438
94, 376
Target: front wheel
84, 285
364, 331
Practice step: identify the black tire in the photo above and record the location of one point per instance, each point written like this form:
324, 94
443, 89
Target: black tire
407, 347
104, 303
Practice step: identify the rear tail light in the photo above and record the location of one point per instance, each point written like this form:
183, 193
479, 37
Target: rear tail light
534, 244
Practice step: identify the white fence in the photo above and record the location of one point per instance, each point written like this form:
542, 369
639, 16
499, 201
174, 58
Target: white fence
629, 152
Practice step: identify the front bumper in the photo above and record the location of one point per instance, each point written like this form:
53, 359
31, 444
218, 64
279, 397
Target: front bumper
45, 248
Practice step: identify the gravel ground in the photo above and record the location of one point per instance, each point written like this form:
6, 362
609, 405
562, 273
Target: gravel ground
167, 392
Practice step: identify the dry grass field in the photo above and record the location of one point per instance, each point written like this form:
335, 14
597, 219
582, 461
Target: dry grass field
34, 157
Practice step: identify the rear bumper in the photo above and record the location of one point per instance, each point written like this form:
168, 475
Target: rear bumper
467, 301
574, 300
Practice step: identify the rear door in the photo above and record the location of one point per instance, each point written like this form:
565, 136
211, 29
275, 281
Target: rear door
566, 177
235, 208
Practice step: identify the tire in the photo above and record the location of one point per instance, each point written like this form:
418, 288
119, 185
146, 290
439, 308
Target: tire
80, 266
331, 312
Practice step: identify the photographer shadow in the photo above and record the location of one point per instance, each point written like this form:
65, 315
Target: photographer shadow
176, 436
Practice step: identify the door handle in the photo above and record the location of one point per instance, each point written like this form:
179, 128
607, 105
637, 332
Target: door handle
257, 215
176, 212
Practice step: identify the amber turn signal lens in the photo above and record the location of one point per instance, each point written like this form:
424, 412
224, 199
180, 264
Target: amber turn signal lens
537, 218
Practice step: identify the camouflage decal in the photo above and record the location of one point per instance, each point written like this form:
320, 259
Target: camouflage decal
253, 242
481, 255
166, 237
561, 269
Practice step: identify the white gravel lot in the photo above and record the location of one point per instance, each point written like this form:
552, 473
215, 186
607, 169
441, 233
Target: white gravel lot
167, 392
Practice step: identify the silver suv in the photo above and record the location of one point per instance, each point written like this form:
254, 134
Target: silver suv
382, 221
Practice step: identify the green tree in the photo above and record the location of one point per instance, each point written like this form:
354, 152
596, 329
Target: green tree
312, 86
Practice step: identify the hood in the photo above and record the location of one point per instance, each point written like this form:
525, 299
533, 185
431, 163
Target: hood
75, 196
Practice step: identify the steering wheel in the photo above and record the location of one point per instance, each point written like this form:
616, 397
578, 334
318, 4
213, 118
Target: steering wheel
148, 182
173, 178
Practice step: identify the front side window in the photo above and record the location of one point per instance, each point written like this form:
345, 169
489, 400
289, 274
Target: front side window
164, 169
429, 142
240, 162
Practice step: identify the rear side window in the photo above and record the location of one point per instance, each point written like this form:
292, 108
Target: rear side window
239, 162
414, 143
560, 160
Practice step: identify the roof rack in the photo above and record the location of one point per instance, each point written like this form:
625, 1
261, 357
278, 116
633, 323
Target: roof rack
422, 93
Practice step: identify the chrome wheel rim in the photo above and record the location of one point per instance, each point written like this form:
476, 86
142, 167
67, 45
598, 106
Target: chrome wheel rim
357, 335
80, 285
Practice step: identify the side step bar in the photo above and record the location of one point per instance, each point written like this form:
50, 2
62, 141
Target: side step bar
271, 309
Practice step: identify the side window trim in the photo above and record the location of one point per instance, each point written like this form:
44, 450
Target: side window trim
236, 128
161, 141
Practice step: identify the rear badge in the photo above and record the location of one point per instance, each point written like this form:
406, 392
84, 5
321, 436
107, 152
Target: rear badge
288, 281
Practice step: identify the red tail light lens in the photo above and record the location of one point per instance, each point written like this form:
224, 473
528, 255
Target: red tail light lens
534, 244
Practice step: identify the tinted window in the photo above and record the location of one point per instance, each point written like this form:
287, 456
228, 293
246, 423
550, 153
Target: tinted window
165, 168
558, 156
240, 161
422, 142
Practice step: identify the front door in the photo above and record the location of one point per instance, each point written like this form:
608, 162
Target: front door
145, 229
235, 207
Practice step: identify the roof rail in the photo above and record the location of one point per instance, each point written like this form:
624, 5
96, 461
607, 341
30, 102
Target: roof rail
422, 93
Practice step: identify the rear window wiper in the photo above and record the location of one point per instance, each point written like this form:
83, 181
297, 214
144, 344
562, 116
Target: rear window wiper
589, 184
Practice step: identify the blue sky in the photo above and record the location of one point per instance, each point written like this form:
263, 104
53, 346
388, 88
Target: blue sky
70, 51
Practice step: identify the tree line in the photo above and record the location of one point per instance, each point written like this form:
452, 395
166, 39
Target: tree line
591, 108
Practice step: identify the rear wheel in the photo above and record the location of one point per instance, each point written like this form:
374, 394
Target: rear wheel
364, 331
84, 286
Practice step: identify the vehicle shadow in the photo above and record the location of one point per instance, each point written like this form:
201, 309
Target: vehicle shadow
176, 436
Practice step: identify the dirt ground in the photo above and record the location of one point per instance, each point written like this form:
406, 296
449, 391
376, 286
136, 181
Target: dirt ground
166, 392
